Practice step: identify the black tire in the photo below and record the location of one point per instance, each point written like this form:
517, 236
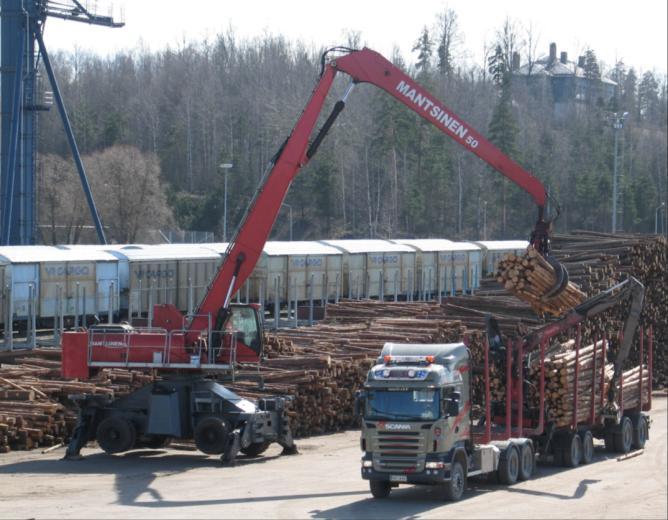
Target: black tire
587, 446
640, 433
509, 466
623, 439
455, 487
255, 449
211, 435
527, 462
116, 434
380, 488
572, 451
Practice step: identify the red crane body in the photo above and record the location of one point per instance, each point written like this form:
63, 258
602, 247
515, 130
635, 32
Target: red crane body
183, 337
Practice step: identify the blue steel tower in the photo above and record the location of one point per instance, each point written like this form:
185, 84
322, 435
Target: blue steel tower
23, 49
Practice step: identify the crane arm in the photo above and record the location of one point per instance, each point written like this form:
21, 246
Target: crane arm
370, 67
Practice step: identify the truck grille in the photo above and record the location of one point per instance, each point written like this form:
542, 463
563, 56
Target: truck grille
399, 451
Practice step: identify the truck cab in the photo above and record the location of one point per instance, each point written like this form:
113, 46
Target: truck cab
416, 424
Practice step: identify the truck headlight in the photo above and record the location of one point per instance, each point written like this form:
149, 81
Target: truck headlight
434, 465
367, 463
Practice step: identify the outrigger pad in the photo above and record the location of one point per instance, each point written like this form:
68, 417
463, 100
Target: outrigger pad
562, 279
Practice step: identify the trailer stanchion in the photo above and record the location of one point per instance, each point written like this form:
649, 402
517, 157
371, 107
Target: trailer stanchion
541, 416
650, 353
509, 381
621, 380
592, 408
488, 408
602, 382
578, 338
520, 386
641, 347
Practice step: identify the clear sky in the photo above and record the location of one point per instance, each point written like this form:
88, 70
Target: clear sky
634, 31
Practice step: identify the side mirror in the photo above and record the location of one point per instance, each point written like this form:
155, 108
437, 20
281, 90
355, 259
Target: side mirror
360, 402
452, 406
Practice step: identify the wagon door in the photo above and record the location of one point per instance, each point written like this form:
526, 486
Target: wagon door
23, 276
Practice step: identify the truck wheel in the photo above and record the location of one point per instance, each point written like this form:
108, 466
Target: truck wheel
454, 488
380, 488
587, 446
256, 448
624, 437
116, 434
640, 433
527, 462
572, 451
211, 434
509, 466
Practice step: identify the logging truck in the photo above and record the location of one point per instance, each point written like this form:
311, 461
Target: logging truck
420, 424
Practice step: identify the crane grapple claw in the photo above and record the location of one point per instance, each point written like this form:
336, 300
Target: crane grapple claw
562, 279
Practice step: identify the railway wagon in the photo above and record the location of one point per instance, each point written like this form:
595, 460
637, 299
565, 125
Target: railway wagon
298, 270
171, 273
433, 265
58, 281
493, 251
465, 260
376, 268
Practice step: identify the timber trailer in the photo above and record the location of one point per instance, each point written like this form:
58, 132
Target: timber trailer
219, 334
417, 425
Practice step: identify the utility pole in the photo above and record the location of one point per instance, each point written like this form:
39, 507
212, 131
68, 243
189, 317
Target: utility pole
226, 168
617, 125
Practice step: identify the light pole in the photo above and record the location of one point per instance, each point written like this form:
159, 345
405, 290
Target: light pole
484, 220
289, 217
656, 218
617, 124
226, 168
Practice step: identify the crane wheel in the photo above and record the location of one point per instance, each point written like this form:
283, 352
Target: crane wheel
211, 435
116, 434
256, 448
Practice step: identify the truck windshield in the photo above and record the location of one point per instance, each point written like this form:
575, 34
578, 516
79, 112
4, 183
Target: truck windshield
415, 405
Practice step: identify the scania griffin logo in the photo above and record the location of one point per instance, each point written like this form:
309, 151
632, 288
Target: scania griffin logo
394, 426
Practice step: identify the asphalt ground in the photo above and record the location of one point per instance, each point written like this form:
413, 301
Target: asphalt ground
323, 481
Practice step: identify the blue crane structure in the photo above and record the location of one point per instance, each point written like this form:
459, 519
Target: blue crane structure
22, 53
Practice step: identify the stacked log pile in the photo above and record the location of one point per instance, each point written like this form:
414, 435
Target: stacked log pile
560, 388
323, 366
530, 277
34, 406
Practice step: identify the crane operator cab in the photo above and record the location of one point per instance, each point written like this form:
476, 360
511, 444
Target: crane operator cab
240, 335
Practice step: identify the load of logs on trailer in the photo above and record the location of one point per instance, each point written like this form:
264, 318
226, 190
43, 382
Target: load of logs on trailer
322, 366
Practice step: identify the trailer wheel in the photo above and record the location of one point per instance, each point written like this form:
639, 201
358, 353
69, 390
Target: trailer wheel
623, 438
454, 488
116, 434
211, 435
572, 451
587, 446
380, 488
256, 448
509, 466
640, 433
527, 462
